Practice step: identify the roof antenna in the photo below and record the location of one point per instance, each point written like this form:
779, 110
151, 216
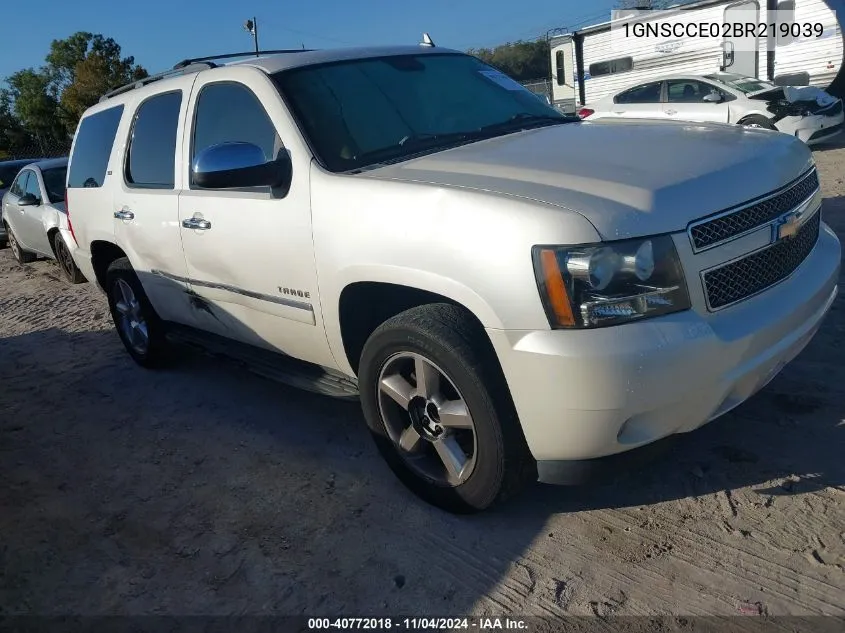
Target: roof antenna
427, 41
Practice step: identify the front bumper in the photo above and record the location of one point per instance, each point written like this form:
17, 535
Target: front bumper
813, 129
81, 258
587, 394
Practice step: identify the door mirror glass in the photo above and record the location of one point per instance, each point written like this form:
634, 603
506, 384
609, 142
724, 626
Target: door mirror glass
237, 165
28, 200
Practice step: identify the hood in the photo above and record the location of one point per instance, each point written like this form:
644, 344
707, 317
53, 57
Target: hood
628, 178
795, 94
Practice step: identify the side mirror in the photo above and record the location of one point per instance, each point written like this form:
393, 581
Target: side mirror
28, 200
235, 165
713, 97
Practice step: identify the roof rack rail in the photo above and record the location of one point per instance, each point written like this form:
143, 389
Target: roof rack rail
181, 70
194, 60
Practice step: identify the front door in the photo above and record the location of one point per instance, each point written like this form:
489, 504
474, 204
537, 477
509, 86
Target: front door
146, 203
250, 251
29, 225
741, 51
685, 101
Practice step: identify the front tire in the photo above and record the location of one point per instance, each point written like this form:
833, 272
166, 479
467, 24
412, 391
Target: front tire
757, 121
139, 327
21, 256
65, 260
439, 410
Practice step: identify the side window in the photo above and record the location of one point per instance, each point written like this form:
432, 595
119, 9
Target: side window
687, 91
32, 185
151, 159
786, 16
94, 140
612, 66
20, 183
229, 113
648, 93
560, 68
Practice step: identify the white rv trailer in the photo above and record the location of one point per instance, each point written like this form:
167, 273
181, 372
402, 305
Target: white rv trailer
589, 64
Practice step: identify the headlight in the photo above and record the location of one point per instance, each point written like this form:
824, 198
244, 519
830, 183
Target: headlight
606, 284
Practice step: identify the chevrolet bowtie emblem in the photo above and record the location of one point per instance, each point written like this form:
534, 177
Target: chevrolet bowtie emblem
788, 227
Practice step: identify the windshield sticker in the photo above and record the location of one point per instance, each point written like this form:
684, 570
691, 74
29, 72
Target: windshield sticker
502, 79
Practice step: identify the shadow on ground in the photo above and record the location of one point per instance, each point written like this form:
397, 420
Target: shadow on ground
203, 489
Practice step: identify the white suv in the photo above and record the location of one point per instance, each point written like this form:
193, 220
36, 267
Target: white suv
512, 293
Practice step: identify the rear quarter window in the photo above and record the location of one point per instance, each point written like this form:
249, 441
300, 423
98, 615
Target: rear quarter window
90, 158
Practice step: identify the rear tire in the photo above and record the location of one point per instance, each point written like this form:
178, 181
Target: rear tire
139, 327
444, 343
20, 255
68, 267
757, 121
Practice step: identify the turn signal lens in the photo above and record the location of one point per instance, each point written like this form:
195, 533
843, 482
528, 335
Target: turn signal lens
558, 298
610, 283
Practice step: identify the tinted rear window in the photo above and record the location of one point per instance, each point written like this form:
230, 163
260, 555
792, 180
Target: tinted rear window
91, 152
54, 183
151, 158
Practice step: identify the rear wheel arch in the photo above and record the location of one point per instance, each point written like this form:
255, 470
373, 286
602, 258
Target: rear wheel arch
51, 236
103, 253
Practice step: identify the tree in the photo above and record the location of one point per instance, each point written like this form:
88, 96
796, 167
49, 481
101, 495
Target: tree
42, 107
82, 68
28, 98
13, 137
521, 60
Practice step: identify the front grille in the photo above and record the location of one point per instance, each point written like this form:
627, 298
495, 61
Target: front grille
748, 276
711, 232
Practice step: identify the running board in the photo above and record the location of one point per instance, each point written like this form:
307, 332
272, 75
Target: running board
275, 366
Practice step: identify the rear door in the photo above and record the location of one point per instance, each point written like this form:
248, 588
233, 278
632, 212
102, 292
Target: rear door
640, 102
685, 102
146, 201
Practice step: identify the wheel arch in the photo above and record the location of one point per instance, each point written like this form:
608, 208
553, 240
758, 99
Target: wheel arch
103, 253
365, 303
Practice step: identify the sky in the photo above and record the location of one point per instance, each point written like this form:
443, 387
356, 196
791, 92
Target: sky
159, 33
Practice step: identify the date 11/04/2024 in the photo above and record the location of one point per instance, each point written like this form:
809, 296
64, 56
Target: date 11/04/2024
419, 624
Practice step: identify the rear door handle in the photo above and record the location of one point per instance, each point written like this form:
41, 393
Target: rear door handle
671, 112
196, 223
124, 214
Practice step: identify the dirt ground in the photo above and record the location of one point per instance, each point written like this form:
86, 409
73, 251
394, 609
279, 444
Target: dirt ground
204, 489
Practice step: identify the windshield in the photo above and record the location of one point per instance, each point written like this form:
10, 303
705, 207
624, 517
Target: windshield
745, 85
373, 111
54, 182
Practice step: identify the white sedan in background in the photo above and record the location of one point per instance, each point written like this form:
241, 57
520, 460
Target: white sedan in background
808, 113
35, 217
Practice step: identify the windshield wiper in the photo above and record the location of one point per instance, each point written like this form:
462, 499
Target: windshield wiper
523, 118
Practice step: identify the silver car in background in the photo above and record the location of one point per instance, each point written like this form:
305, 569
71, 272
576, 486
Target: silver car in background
807, 113
35, 216
8, 170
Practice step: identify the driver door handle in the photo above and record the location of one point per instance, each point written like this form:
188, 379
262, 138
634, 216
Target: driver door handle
124, 214
671, 112
196, 223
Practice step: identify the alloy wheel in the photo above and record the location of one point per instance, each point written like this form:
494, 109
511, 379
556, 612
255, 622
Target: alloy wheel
427, 419
130, 318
